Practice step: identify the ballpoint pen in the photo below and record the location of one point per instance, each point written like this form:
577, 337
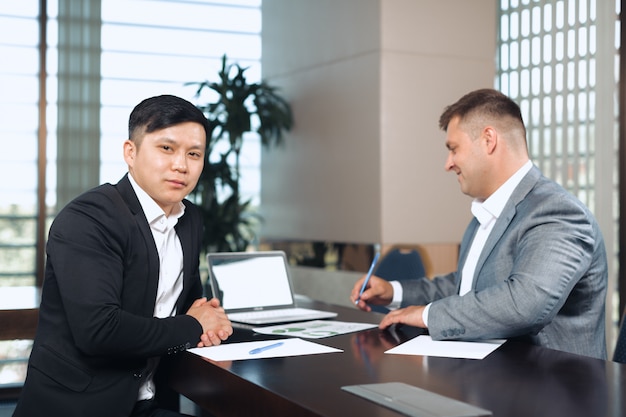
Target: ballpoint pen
264, 348
367, 278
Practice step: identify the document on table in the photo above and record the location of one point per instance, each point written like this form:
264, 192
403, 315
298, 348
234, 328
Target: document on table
315, 329
426, 346
262, 349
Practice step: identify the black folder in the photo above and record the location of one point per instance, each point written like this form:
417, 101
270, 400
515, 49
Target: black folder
415, 402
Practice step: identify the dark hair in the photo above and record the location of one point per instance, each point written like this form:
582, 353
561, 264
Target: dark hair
487, 103
163, 111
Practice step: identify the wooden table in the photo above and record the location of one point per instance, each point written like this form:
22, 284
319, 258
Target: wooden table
19, 312
517, 380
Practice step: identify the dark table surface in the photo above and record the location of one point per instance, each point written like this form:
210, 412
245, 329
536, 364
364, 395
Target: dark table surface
515, 380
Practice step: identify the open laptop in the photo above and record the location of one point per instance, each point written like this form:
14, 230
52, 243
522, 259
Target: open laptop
255, 288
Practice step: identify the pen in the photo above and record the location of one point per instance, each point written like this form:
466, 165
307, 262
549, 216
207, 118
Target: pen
367, 278
264, 348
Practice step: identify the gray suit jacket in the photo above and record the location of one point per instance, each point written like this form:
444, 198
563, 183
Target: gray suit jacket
541, 277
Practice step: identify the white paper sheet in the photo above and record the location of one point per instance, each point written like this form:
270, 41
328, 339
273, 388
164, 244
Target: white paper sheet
314, 329
242, 351
426, 346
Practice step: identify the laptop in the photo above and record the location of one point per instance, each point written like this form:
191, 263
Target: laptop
255, 288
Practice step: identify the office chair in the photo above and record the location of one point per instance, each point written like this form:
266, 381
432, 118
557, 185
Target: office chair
398, 264
620, 347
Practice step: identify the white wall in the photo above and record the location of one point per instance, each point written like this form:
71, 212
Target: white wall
367, 80
332, 287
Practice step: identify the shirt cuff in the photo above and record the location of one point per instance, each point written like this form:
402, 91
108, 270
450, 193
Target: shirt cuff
397, 295
425, 314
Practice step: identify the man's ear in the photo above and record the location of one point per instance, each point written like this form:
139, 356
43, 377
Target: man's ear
490, 137
130, 151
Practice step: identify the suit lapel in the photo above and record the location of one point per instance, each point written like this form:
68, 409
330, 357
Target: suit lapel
507, 215
128, 194
466, 243
183, 232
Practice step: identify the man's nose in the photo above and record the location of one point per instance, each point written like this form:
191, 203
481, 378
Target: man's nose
180, 163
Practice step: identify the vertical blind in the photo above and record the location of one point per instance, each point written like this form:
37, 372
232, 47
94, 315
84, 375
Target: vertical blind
19, 126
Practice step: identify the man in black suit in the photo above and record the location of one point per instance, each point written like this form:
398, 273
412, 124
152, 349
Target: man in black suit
122, 287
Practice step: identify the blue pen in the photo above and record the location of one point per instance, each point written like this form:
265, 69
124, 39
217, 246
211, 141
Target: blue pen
367, 278
264, 348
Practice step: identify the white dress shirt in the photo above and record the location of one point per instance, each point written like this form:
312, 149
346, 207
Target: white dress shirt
170, 269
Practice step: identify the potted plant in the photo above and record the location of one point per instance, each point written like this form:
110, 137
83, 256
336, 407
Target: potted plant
240, 107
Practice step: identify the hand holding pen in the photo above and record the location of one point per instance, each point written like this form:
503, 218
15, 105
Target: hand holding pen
367, 278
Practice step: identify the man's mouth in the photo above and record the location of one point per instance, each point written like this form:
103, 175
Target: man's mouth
178, 183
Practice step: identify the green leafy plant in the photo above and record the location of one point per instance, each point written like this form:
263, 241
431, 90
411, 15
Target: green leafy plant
230, 224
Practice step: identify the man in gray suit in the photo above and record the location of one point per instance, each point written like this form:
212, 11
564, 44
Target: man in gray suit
532, 262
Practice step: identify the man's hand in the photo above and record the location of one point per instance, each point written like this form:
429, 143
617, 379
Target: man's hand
411, 316
215, 324
378, 291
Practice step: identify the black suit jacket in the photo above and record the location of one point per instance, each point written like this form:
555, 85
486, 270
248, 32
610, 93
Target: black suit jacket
96, 327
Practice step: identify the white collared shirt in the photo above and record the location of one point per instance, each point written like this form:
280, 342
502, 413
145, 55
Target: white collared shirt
170, 269
487, 213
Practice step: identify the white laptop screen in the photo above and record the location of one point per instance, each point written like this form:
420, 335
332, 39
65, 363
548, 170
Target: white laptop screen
251, 282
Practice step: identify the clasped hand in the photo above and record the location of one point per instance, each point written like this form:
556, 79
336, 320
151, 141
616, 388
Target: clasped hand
215, 324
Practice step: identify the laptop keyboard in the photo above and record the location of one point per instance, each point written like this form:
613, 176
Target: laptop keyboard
263, 314
288, 314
